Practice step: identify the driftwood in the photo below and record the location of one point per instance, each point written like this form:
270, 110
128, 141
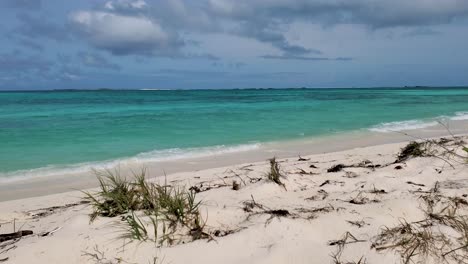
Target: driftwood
11, 236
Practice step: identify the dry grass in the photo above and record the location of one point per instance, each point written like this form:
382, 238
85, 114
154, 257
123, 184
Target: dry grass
442, 237
413, 149
275, 174
341, 243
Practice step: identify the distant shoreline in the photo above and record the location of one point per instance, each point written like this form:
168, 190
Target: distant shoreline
418, 87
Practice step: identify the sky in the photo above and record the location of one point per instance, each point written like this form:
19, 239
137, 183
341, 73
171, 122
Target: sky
215, 44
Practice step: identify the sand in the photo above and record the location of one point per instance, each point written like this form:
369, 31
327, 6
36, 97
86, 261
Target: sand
321, 207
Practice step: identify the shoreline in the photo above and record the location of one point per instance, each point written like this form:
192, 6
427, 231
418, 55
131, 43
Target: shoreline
46, 185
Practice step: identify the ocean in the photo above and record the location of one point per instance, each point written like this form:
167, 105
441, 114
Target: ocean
58, 129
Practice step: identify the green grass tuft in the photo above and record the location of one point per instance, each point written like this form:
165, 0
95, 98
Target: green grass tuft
165, 208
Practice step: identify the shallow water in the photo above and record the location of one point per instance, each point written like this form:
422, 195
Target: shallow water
62, 128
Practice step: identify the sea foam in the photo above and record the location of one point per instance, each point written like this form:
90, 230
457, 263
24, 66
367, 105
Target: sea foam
402, 125
138, 160
416, 124
460, 116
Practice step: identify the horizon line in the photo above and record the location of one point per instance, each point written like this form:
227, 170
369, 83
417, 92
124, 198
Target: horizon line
245, 88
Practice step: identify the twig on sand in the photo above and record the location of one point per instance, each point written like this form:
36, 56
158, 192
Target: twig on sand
417, 184
48, 233
11, 236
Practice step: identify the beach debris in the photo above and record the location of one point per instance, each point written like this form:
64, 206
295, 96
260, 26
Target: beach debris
439, 236
416, 184
364, 163
336, 168
332, 182
48, 233
247, 167
377, 191
303, 172
312, 212
254, 208
206, 186
250, 205
235, 185
278, 212
313, 166
321, 195
275, 174
347, 238
360, 199
324, 183
350, 174
15, 235
413, 149
358, 223
99, 257
302, 159
367, 164
398, 167
223, 233
43, 212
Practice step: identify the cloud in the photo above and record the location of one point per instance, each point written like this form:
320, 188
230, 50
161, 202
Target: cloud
125, 34
267, 21
31, 44
375, 14
96, 61
16, 62
40, 27
305, 58
270, 34
156, 27
421, 32
125, 5
22, 4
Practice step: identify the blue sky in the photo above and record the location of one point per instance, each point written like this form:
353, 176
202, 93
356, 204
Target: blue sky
187, 44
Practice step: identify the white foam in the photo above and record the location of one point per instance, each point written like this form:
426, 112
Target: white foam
460, 116
138, 160
402, 125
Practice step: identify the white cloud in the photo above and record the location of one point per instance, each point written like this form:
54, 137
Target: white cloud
123, 34
125, 4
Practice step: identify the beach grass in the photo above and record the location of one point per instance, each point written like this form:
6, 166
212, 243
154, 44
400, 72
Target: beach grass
142, 204
274, 174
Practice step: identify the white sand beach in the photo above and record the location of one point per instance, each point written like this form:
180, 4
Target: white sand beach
316, 217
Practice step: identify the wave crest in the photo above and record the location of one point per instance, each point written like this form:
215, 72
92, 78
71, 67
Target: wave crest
140, 159
460, 116
402, 125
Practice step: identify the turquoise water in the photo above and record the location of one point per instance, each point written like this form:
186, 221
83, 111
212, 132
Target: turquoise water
39, 129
